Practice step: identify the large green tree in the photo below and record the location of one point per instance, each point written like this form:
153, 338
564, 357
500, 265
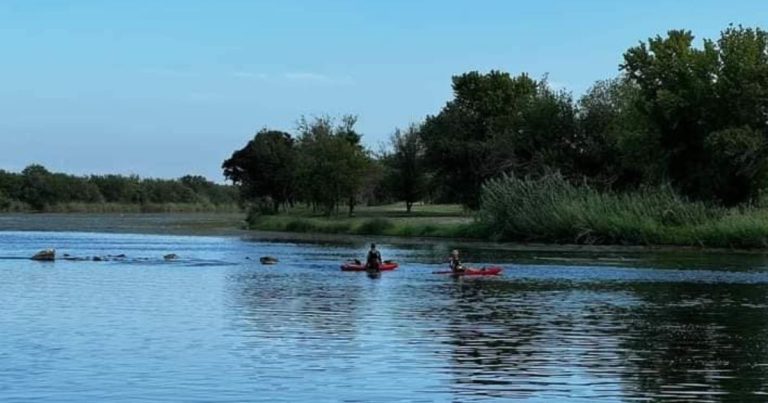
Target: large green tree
611, 147
706, 110
265, 167
498, 123
332, 164
38, 189
407, 173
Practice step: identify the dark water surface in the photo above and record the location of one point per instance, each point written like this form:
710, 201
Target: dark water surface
215, 326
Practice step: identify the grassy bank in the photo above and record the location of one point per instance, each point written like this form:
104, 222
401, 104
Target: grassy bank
555, 211
550, 210
448, 221
100, 208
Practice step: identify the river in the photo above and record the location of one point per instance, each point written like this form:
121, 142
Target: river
215, 325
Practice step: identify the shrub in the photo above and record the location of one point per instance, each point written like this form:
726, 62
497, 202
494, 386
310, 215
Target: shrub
553, 209
301, 226
376, 226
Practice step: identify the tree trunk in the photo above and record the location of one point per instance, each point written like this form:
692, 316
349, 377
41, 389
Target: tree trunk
351, 206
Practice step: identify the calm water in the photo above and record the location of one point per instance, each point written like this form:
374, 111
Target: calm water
215, 326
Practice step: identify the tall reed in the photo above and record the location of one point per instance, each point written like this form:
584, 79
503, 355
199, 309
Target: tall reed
551, 209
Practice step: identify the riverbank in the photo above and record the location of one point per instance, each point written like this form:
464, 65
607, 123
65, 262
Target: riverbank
425, 220
438, 218
224, 224
634, 220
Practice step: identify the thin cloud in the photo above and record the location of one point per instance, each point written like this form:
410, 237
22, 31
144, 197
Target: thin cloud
316, 78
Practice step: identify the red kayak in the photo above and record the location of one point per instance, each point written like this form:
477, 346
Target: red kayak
352, 266
484, 271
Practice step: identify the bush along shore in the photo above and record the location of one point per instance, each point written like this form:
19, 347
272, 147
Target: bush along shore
553, 210
444, 221
369, 226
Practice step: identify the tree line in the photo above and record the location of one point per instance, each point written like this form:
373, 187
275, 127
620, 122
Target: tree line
36, 188
694, 118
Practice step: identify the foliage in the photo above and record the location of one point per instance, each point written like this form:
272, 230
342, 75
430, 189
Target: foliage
497, 123
610, 134
390, 220
675, 149
264, 168
553, 209
696, 100
374, 226
332, 164
407, 176
41, 190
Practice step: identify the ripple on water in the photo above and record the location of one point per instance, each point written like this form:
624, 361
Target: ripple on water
214, 325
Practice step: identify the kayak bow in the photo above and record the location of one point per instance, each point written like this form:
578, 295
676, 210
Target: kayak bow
352, 266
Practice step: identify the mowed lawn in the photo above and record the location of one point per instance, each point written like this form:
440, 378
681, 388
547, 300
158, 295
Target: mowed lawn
440, 220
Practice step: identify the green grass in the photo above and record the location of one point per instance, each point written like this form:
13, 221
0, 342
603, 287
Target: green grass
390, 220
549, 210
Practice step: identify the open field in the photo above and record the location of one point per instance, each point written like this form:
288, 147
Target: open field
389, 220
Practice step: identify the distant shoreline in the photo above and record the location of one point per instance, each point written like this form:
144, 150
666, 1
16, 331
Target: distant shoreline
203, 223
232, 225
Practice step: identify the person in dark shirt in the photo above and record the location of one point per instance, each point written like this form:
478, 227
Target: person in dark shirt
455, 263
374, 258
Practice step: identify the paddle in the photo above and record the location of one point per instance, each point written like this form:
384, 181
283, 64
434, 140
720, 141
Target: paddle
472, 271
456, 272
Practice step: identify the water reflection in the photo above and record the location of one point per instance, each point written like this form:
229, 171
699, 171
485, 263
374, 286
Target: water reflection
214, 326
285, 306
633, 340
699, 340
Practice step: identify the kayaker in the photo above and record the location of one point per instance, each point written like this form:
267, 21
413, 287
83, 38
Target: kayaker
374, 258
455, 263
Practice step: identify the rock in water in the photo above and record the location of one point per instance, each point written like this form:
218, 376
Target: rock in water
47, 255
171, 256
268, 260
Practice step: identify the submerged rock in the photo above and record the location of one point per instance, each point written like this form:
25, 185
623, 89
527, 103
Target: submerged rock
268, 260
171, 256
75, 259
47, 255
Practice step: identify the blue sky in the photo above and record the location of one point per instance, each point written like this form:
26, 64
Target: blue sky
166, 88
